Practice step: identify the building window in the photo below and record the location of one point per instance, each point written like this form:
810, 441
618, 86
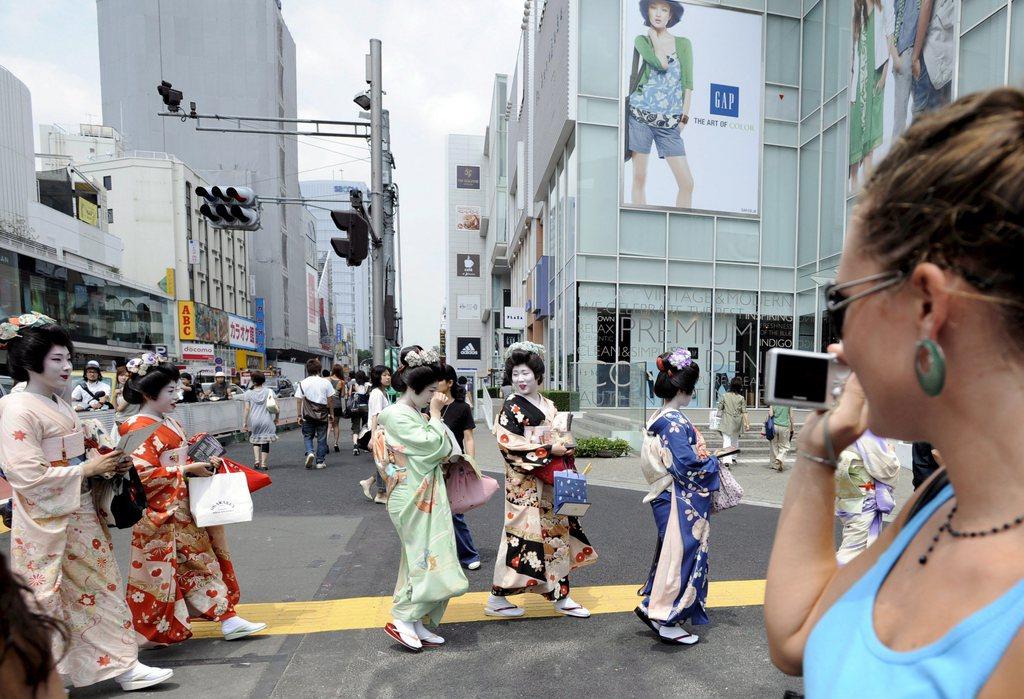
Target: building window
110, 215
107, 182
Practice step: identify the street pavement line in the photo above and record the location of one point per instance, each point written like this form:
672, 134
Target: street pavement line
354, 613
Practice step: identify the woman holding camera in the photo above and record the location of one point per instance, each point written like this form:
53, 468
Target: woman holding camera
682, 476
929, 303
59, 545
178, 570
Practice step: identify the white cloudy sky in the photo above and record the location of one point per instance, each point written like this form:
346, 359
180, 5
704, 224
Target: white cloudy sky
440, 58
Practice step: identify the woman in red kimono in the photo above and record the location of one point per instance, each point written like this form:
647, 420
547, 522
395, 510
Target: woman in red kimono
178, 570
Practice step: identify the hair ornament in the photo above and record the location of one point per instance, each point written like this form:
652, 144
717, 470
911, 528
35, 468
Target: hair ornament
678, 360
525, 346
10, 329
141, 365
421, 358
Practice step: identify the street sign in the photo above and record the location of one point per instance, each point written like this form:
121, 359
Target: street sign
514, 317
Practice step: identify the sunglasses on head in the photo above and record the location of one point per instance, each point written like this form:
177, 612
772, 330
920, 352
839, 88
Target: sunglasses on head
836, 301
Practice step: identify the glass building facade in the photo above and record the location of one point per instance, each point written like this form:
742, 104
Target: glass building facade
616, 284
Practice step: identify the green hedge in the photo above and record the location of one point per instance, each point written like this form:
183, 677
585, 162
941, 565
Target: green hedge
565, 401
590, 446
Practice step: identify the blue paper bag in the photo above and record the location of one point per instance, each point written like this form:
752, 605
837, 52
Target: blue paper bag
570, 494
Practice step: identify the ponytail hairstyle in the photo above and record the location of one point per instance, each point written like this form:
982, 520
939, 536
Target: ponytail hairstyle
677, 372
418, 368
148, 379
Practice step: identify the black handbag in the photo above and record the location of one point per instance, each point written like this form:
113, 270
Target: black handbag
121, 499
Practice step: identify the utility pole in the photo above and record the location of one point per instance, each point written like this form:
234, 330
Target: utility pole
373, 76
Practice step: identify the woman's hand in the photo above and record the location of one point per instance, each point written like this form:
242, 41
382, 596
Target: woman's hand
437, 403
109, 463
200, 469
559, 450
846, 422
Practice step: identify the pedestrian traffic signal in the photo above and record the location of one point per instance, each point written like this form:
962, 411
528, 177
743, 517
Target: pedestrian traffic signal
172, 97
230, 207
357, 246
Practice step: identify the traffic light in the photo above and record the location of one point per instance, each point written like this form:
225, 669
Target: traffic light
230, 207
172, 97
357, 246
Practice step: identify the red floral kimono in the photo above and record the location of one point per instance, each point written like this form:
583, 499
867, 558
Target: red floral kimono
178, 570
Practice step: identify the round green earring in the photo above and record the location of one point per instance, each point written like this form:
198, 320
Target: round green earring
933, 378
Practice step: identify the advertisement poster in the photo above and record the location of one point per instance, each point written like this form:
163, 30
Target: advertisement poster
467, 177
888, 87
469, 348
197, 352
692, 83
260, 307
241, 332
467, 218
467, 265
468, 307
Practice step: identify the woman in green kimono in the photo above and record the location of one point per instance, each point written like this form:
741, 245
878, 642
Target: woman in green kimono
412, 451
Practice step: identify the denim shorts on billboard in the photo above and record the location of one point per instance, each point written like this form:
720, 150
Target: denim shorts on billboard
643, 136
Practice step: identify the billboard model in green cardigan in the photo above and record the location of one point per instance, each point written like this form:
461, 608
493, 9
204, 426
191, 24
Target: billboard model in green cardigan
658, 103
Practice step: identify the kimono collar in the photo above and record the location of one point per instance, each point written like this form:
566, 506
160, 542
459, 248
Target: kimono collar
533, 414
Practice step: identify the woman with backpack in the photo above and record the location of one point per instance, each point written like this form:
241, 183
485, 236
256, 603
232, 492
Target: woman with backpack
358, 407
260, 419
682, 476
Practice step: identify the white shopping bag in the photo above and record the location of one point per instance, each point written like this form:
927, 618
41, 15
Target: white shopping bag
220, 499
714, 420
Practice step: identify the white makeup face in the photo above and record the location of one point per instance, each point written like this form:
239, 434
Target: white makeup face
57, 369
524, 382
422, 399
165, 400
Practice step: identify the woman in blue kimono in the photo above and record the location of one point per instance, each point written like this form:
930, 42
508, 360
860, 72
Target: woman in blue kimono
682, 476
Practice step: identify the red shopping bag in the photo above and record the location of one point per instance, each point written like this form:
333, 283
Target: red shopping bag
253, 478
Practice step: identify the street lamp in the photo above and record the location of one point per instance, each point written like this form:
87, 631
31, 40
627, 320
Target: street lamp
362, 99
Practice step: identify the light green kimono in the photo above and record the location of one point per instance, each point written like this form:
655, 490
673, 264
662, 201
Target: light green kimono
430, 573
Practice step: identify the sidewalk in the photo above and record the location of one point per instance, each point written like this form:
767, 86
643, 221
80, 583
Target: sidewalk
762, 485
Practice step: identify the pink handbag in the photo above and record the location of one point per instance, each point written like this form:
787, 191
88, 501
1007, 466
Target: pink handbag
729, 492
467, 488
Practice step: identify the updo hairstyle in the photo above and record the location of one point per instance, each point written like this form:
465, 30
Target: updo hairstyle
520, 357
671, 381
416, 378
28, 350
138, 388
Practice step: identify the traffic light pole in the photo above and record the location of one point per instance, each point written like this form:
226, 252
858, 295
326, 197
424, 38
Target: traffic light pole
377, 196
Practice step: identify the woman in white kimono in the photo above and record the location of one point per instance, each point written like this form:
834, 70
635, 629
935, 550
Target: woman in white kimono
59, 546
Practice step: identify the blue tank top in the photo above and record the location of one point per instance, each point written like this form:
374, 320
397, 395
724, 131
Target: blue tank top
844, 658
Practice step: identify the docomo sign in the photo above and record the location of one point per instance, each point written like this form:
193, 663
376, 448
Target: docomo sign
196, 352
241, 332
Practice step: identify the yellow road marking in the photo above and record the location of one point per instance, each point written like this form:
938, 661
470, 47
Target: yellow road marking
284, 618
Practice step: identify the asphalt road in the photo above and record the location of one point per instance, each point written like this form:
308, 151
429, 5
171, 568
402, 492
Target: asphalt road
315, 537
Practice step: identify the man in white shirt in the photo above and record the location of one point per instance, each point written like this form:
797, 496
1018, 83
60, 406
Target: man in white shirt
93, 393
316, 411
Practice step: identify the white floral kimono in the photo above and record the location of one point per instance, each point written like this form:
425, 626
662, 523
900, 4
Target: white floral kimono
59, 546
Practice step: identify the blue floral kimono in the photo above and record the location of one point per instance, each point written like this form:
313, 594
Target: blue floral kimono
677, 586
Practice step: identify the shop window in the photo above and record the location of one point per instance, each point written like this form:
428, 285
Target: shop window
689, 325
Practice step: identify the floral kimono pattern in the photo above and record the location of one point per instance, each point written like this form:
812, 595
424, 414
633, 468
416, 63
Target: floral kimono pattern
178, 570
867, 474
410, 451
677, 585
59, 545
538, 548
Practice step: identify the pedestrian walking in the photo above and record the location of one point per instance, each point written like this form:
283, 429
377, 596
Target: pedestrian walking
928, 298
733, 410
338, 381
122, 408
179, 571
316, 408
414, 449
458, 416
359, 407
374, 487
781, 441
865, 480
530, 560
59, 545
260, 419
682, 476
92, 393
